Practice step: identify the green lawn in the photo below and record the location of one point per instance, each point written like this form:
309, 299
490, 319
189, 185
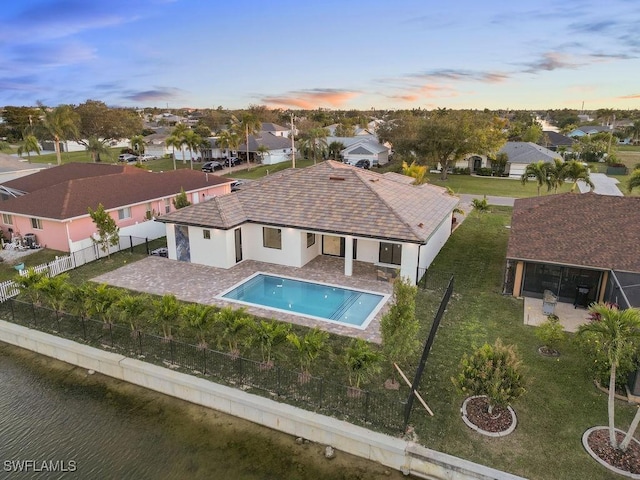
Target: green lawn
561, 401
498, 186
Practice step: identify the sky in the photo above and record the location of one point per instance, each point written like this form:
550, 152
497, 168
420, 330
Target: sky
333, 54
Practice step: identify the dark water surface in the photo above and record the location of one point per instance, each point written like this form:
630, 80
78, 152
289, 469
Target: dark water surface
57, 421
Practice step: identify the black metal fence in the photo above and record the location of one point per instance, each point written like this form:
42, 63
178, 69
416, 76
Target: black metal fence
381, 410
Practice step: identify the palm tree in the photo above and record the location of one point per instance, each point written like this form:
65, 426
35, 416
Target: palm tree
556, 174
100, 302
309, 347
228, 140
138, 144
334, 149
133, 309
634, 131
55, 290
317, 141
362, 362
199, 318
192, 141
634, 180
267, 335
538, 171
179, 131
416, 171
617, 332
577, 171
61, 123
250, 124
263, 150
96, 147
166, 311
173, 141
236, 326
29, 144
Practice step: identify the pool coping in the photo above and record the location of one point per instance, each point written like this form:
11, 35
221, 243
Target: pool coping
383, 301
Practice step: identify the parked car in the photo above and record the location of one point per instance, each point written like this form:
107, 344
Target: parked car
212, 166
127, 157
363, 164
232, 162
236, 184
145, 157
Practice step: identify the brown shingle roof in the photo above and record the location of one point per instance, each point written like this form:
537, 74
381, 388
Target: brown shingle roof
67, 191
589, 230
329, 197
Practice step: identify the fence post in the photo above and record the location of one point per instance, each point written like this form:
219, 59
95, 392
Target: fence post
84, 328
366, 406
33, 312
13, 314
321, 391
140, 341
131, 243
146, 244
204, 358
171, 351
110, 333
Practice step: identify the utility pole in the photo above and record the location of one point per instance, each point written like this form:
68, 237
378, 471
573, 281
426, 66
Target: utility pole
293, 145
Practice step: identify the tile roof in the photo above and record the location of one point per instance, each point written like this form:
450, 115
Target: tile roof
527, 152
68, 190
586, 230
329, 197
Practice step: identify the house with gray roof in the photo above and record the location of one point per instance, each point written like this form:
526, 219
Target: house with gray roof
332, 209
563, 243
521, 154
373, 151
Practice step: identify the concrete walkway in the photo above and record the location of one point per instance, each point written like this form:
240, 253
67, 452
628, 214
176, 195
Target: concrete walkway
603, 185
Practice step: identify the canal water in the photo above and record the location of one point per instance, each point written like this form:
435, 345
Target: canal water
59, 422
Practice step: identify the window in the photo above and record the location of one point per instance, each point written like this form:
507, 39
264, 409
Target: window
272, 238
311, 239
206, 234
124, 213
390, 253
36, 223
7, 219
167, 205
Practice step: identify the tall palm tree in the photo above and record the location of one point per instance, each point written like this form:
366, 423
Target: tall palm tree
634, 180
617, 331
29, 144
178, 131
61, 123
138, 144
174, 142
557, 173
318, 137
577, 171
250, 125
538, 171
96, 147
334, 149
192, 141
634, 131
228, 140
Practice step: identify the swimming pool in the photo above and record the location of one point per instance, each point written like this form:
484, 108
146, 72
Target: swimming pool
355, 308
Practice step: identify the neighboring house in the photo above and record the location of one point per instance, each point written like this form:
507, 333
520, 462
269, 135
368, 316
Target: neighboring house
376, 153
73, 146
53, 204
276, 130
279, 148
521, 154
333, 209
566, 242
13, 167
555, 141
589, 130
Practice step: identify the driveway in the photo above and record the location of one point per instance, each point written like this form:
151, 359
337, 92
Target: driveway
603, 185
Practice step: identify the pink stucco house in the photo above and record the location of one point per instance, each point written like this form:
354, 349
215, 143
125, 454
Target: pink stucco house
53, 203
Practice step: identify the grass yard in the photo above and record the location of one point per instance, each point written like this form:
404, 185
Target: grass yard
561, 401
498, 186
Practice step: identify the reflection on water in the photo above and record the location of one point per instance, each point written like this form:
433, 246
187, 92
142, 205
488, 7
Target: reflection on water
103, 429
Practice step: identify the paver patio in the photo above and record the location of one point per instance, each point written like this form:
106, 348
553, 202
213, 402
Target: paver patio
201, 284
570, 317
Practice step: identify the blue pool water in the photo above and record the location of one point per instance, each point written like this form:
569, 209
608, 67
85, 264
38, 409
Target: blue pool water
328, 302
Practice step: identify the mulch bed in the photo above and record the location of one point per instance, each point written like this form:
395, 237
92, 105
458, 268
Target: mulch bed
628, 461
478, 414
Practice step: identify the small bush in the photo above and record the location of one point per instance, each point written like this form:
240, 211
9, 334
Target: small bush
484, 172
480, 205
492, 370
550, 333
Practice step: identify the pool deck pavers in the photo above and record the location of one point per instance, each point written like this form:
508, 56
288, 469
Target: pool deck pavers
201, 284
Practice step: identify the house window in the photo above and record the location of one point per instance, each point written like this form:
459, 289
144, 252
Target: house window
167, 205
272, 238
36, 223
206, 234
390, 253
311, 239
7, 219
124, 213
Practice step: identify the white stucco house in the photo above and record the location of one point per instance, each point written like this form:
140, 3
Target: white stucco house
373, 151
333, 209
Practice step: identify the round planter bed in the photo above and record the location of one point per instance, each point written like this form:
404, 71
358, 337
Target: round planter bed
596, 442
475, 415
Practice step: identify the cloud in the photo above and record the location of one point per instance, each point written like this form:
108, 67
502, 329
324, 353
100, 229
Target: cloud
462, 75
22, 83
310, 99
633, 96
551, 61
159, 93
52, 55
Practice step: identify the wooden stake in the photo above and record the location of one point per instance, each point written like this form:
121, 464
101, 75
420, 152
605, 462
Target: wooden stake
415, 392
